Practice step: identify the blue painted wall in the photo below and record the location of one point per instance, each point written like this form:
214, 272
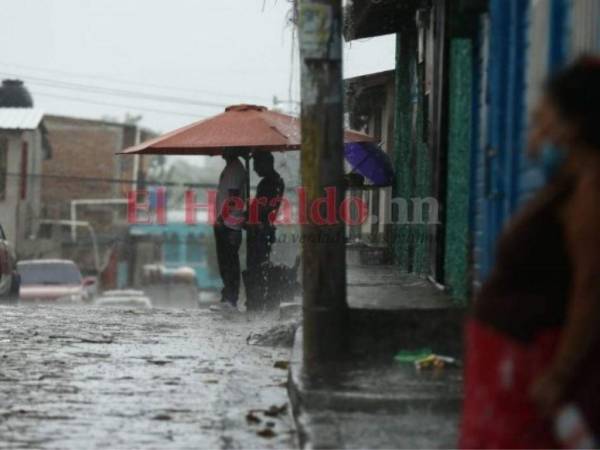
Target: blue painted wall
559, 34
501, 126
504, 177
185, 245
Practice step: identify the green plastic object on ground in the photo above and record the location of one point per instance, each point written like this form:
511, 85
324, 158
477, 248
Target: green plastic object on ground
410, 357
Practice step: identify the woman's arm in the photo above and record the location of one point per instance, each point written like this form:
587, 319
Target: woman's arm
582, 327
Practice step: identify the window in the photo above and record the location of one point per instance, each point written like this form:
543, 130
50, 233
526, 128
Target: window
3, 165
49, 274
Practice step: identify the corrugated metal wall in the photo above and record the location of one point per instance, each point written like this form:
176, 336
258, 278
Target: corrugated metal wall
528, 40
584, 27
538, 56
501, 127
560, 31
480, 114
519, 44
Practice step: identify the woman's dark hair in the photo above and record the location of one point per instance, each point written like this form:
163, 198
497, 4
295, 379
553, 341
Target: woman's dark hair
576, 92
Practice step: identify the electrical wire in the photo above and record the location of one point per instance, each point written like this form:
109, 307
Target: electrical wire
132, 83
115, 105
114, 92
112, 180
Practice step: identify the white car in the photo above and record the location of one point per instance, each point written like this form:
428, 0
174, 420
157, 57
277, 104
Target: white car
124, 298
53, 280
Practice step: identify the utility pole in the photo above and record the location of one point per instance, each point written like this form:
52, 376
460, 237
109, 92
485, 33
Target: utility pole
323, 245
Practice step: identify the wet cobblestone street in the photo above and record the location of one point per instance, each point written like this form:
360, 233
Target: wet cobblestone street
78, 377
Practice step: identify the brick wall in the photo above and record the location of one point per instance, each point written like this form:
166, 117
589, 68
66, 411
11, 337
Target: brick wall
84, 164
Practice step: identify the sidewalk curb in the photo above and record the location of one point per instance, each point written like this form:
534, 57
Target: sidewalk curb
294, 388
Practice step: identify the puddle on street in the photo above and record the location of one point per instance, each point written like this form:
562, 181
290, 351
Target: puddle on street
71, 375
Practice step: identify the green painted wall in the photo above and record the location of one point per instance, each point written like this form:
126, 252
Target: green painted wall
402, 146
459, 147
412, 158
423, 178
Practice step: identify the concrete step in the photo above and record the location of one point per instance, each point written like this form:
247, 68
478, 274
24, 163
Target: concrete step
362, 404
368, 400
379, 332
391, 310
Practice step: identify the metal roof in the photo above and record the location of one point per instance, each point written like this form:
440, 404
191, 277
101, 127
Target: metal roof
371, 79
369, 18
20, 118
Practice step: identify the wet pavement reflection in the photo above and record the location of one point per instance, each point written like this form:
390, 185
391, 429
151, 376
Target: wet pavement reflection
74, 377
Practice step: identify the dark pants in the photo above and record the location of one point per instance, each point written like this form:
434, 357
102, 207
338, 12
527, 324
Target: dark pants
228, 243
260, 241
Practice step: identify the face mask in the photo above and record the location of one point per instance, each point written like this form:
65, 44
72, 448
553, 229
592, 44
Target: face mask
551, 160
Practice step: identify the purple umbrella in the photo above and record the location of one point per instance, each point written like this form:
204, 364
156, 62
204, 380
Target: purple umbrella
369, 160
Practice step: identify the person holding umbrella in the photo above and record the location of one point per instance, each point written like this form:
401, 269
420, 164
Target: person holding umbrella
231, 198
247, 128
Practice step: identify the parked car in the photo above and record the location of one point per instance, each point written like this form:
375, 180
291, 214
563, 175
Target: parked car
9, 278
51, 280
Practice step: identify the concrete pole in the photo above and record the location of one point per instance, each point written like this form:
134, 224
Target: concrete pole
323, 247
136, 159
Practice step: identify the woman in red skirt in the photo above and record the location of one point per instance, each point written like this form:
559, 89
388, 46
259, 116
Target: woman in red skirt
532, 369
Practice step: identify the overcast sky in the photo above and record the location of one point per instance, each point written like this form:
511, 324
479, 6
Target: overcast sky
95, 58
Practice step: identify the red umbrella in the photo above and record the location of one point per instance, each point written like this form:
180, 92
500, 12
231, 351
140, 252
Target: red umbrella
246, 127
240, 126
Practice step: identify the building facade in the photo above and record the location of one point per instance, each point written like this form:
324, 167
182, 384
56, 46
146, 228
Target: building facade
468, 74
23, 150
370, 102
87, 182
85, 158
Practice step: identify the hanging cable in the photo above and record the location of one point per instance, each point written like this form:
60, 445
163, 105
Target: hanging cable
132, 83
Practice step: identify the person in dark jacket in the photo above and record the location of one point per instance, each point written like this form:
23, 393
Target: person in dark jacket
261, 228
532, 372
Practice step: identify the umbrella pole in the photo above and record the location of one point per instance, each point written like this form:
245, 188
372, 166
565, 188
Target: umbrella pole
247, 161
248, 279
